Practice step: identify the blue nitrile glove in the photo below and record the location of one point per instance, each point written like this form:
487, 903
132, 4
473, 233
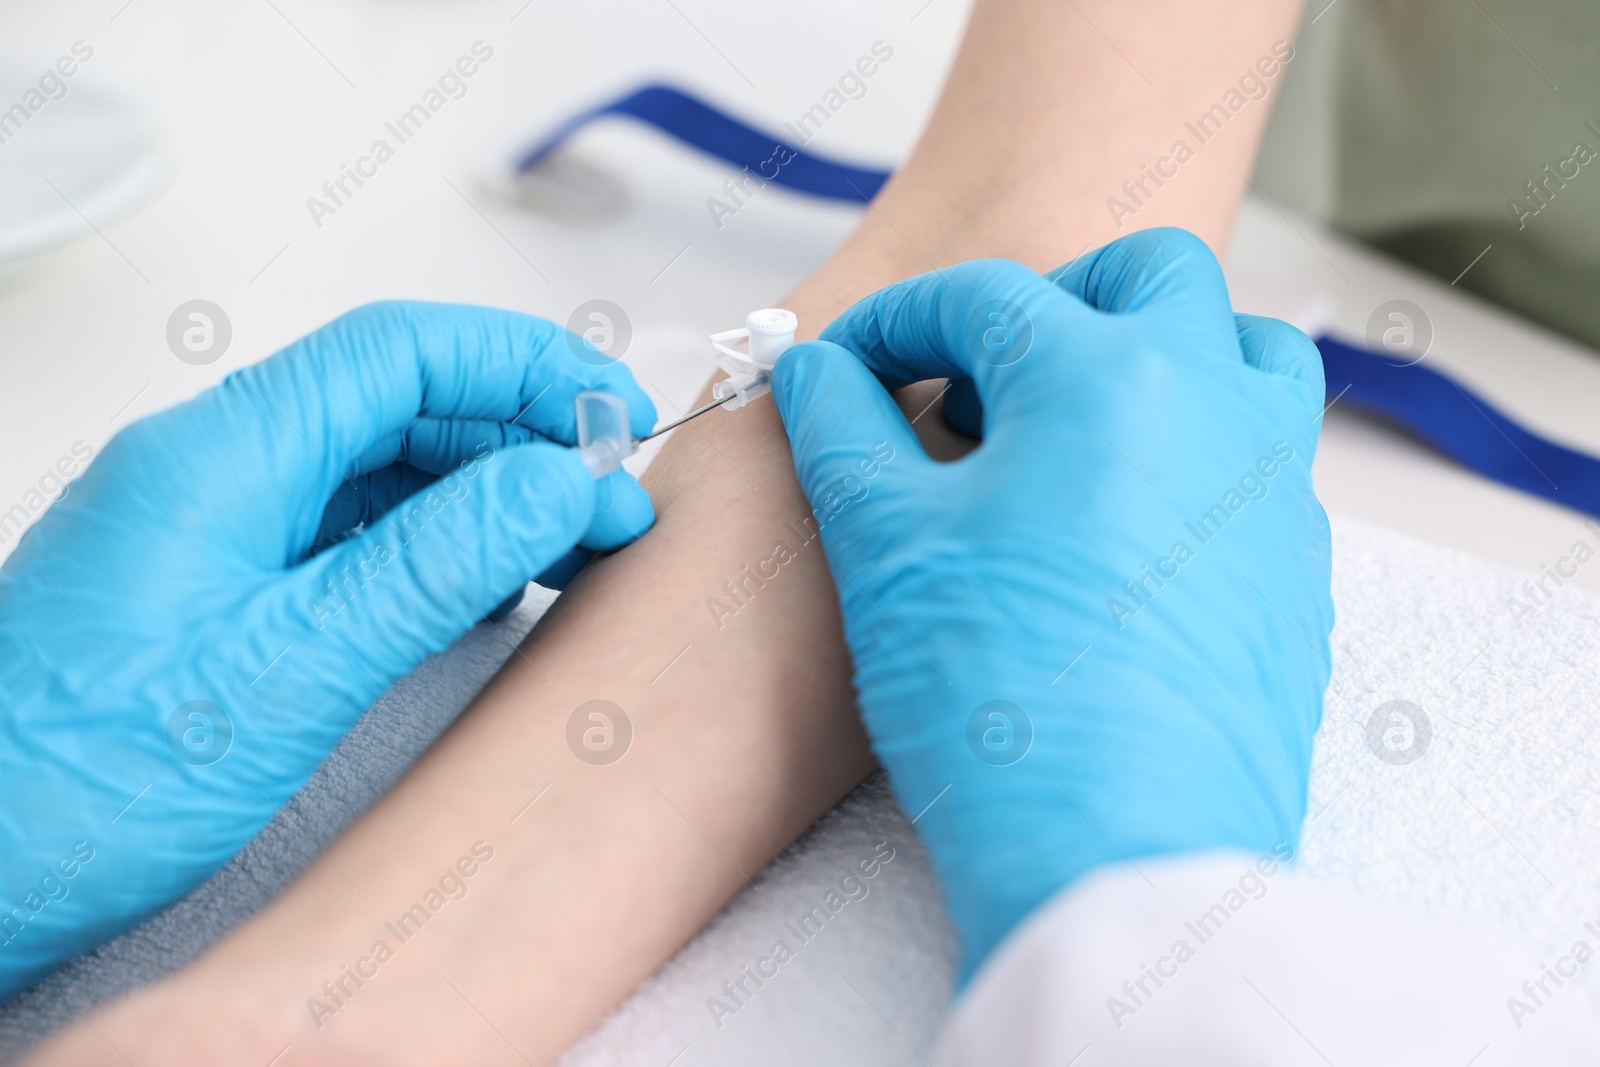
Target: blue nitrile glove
1105, 631
173, 666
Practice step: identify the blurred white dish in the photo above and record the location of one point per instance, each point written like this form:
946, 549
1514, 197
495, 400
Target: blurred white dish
88, 155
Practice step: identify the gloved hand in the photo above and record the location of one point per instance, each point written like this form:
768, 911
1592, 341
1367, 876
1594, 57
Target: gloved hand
173, 666
1103, 634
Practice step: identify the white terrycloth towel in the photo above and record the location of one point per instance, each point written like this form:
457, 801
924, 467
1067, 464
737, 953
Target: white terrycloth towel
1453, 773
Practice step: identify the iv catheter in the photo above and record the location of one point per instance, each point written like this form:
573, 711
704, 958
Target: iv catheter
675, 423
604, 440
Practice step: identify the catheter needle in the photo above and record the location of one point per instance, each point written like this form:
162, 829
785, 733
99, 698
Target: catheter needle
695, 414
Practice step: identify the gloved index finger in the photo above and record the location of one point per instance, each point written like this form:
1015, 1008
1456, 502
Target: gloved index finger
376, 370
981, 319
472, 356
1167, 272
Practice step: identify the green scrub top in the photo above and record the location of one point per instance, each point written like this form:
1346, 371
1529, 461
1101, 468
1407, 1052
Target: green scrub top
1436, 129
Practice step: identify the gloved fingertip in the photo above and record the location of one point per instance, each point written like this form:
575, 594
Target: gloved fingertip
542, 490
794, 371
1276, 347
963, 411
622, 513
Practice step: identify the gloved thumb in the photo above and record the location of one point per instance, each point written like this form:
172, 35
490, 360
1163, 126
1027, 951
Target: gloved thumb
441, 560
845, 430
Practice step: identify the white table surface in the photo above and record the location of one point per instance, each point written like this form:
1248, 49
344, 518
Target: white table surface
259, 102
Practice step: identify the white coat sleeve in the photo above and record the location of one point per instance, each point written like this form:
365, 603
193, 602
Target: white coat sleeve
1228, 958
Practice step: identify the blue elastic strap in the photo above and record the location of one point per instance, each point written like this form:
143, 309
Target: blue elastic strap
1435, 407
699, 125
1461, 424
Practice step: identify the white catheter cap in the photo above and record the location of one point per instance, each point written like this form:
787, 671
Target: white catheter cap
771, 333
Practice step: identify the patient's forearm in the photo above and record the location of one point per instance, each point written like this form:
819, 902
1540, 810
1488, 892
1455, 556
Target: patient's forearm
737, 687
743, 734
1051, 107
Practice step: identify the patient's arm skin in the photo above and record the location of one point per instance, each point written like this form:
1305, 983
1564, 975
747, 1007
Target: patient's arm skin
744, 727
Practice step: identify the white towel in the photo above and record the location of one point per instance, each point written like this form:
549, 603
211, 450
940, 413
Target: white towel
1496, 822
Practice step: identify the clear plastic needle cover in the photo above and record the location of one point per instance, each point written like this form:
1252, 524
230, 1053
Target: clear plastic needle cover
603, 437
